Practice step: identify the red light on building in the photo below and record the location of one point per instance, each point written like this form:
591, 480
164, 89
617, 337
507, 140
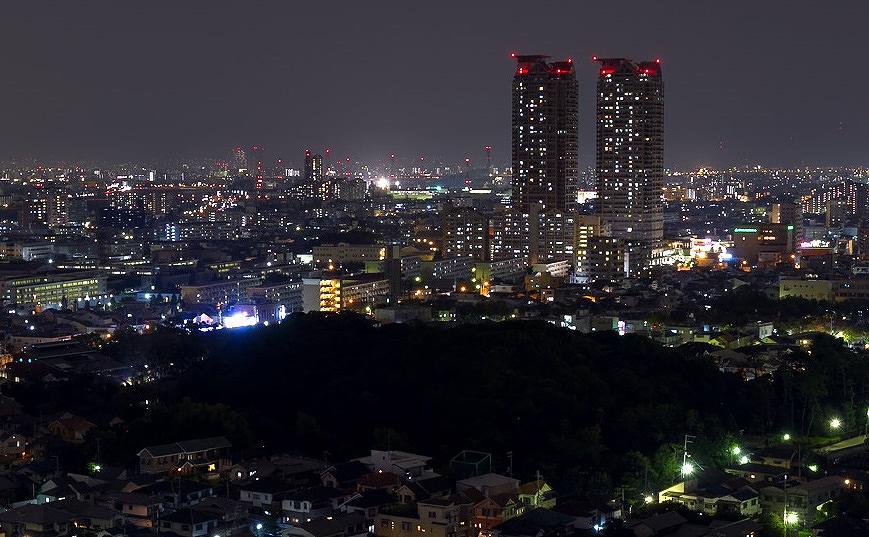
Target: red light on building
607, 71
569, 60
512, 54
594, 58
657, 60
522, 71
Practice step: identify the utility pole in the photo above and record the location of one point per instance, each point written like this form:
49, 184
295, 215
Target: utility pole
689, 439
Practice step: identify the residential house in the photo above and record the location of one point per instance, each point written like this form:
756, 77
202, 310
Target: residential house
536, 522
203, 455
659, 524
71, 428
801, 498
344, 475
264, 495
335, 525
57, 518
312, 503
416, 490
178, 492
142, 510
368, 502
378, 480
188, 523
402, 463
715, 499
435, 517
232, 515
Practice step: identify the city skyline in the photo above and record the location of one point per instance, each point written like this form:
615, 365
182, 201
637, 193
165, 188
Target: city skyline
183, 82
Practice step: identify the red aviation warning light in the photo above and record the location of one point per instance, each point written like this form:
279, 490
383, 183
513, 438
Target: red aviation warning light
513, 54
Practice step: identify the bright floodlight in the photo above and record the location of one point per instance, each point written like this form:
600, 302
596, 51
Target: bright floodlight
791, 518
239, 319
687, 469
786, 437
835, 423
259, 525
743, 460
736, 450
649, 499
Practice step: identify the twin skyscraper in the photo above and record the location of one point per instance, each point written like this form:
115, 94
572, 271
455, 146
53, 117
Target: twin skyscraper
629, 148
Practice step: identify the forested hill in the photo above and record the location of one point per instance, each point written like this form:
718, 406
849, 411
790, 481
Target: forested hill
579, 406
590, 412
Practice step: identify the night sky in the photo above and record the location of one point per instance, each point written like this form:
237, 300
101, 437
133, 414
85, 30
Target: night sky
769, 82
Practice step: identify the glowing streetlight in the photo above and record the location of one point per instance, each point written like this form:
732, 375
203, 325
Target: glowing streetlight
786, 437
687, 469
649, 499
736, 450
835, 423
743, 460
792, 518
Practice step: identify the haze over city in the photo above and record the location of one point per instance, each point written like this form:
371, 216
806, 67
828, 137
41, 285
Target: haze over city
769, 83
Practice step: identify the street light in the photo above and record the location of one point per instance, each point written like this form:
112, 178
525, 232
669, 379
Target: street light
649, 499
792, 518
786, 437
743, 460
835, 423
736, 450
687, 469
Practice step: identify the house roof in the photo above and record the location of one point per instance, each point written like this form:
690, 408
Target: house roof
533, 521
347, 471
371, 498
43, 514
488, 480
267, 486
186, 446
661, 521
314, 494
379, 480
189, 516
333, 524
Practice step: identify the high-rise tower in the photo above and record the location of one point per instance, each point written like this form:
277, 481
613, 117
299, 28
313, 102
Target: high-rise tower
313, 167
545, 141
630, 148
